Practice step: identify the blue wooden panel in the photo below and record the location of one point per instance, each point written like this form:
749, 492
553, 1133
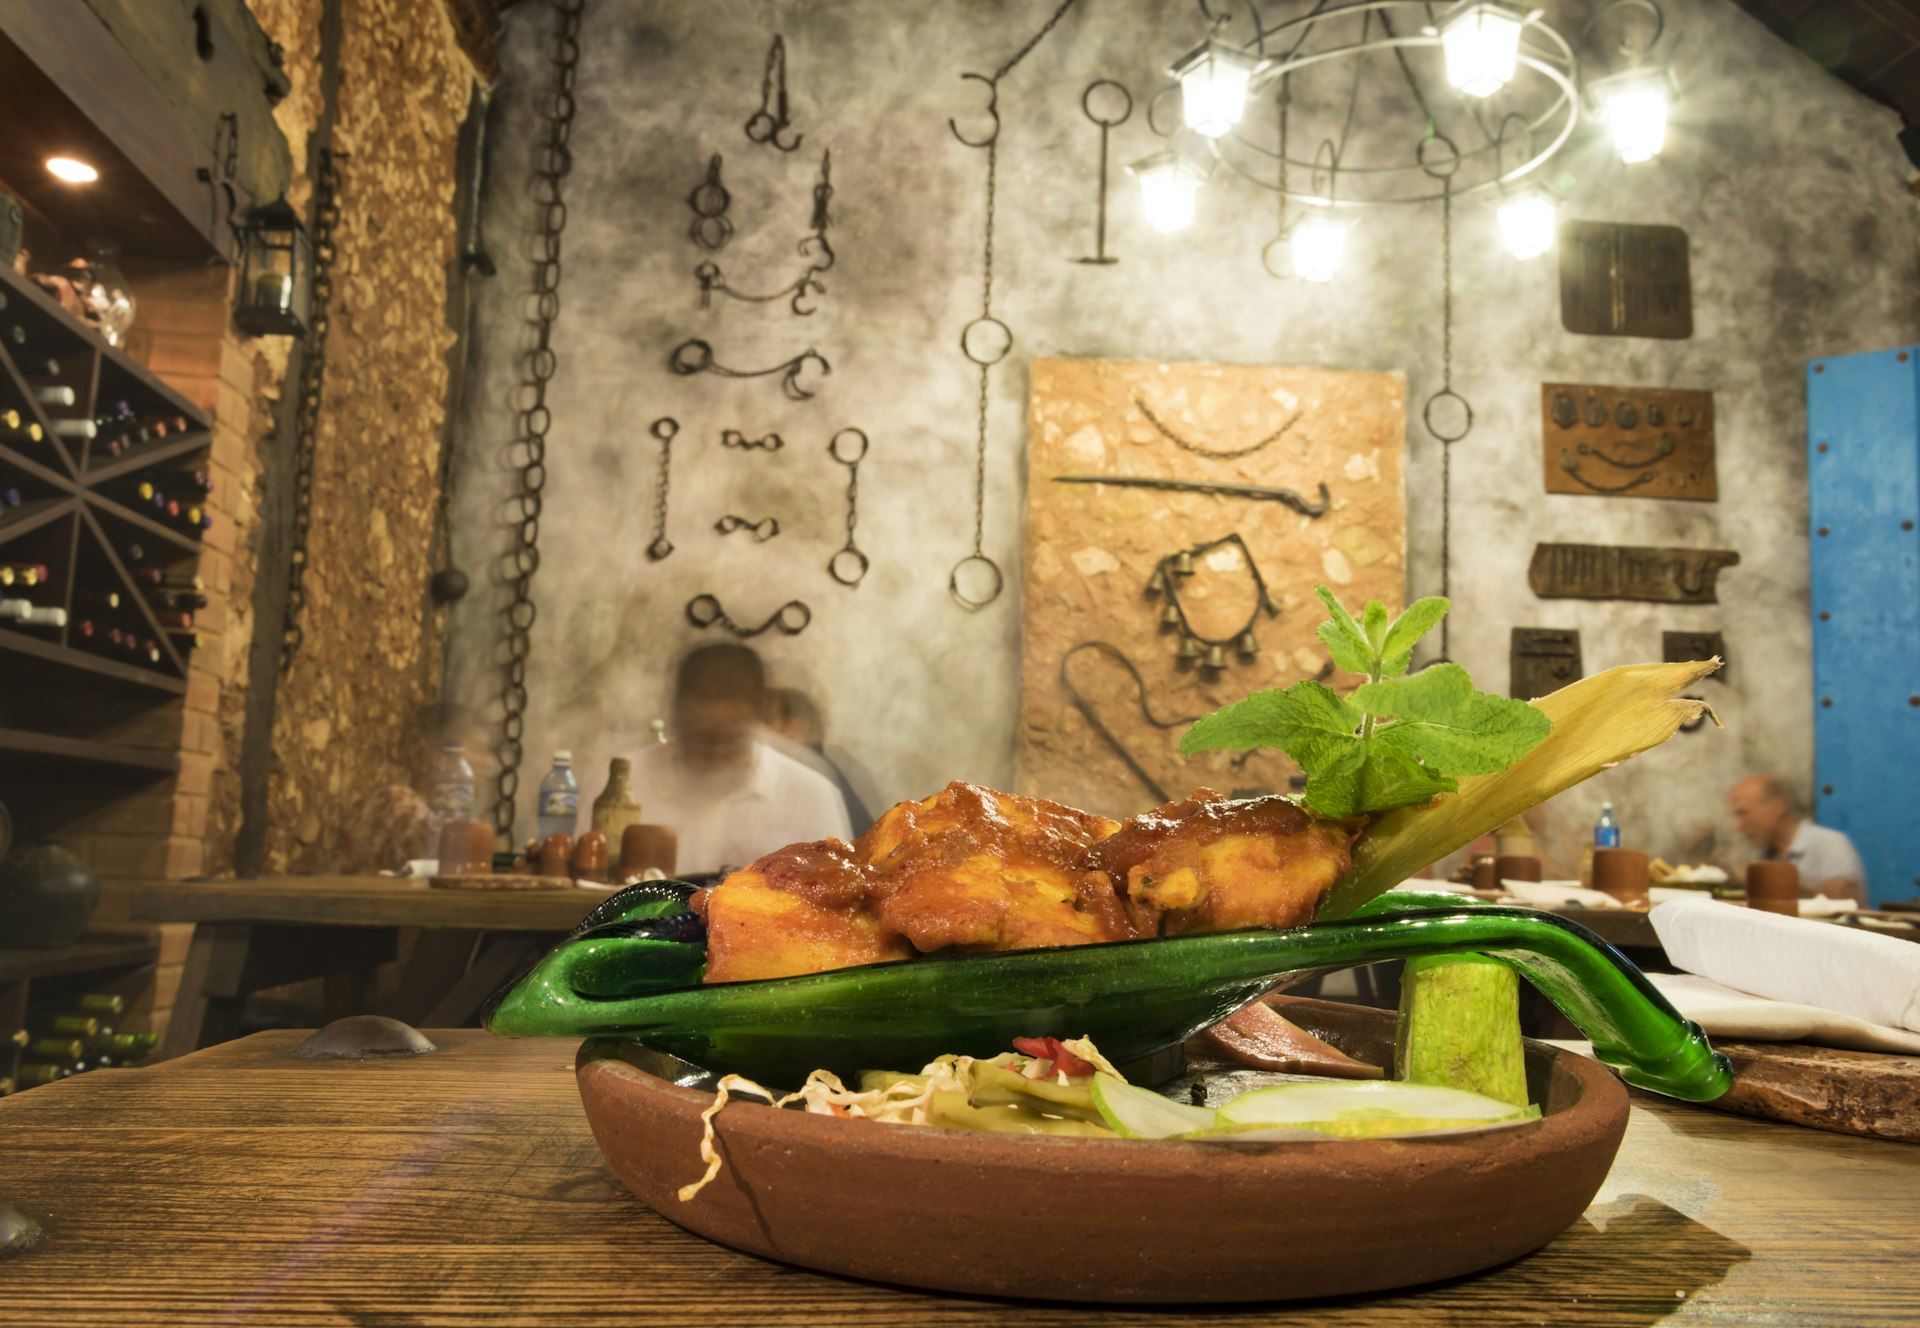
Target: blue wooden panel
1863, 464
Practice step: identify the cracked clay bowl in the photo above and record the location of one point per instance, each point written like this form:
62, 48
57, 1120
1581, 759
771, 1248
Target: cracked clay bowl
1115, 1219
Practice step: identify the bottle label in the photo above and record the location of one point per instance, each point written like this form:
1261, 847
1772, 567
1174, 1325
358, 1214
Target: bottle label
1606, 836
452, 801
560, 802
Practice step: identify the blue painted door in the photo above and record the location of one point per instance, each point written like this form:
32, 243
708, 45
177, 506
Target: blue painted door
1863, 466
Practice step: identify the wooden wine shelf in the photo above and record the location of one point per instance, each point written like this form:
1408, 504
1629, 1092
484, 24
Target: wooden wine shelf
85, 751
60, 479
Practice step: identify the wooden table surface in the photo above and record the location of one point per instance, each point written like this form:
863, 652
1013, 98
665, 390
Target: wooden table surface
239, 1187
390, 901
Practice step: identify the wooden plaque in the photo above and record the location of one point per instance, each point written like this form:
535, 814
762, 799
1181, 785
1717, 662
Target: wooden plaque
1617, 571
1543, 659
1628, 442
1619, 280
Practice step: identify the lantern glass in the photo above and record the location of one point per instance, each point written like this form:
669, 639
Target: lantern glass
1481, 41
1319, 244
1168, 183
1213, 87
1528, 224
1635, 106
276, 273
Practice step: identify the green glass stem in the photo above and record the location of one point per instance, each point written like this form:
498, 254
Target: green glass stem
1132, 998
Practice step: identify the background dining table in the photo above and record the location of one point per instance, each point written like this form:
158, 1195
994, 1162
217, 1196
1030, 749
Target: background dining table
240, 1186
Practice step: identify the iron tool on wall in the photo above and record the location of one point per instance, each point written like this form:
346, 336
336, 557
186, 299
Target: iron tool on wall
849, 448
696, 357
767, 124
710, 200
1107, 124
791, 618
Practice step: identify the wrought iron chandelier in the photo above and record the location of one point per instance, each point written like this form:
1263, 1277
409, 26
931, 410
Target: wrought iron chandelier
1492, 74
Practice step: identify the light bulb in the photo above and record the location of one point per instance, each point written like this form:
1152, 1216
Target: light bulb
1481, 39
1319, 243
1168, 183
72, 170
1528, 224
1635, 105
1213, 87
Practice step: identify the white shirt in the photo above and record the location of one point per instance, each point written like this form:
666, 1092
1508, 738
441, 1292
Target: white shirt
1822, 854
729, 820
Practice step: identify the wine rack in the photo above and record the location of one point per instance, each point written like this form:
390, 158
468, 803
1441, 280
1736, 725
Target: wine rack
102, 495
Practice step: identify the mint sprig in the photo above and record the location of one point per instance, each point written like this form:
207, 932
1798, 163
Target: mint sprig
1396, 741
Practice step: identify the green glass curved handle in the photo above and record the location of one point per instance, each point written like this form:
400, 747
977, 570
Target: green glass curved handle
1134, 998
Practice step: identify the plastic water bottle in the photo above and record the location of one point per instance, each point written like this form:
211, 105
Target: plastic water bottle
1606, 830
450, 796
559, 798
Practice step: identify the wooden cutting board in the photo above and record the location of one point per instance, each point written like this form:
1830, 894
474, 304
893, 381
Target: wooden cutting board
1848, 1092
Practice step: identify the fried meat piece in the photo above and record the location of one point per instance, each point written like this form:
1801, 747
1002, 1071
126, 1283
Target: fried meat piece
981, 870
1209, 863
800, 909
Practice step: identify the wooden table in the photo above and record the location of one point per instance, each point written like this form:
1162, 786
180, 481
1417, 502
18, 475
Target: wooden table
253, 934
236, 1186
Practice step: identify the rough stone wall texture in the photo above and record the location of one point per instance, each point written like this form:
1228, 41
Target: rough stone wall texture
1790, 186
351, 715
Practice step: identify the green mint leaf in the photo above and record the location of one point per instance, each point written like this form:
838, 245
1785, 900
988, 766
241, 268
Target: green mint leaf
1414, 622
1309, 721
1387, 779
1373, 621
1441, 721
1346, 642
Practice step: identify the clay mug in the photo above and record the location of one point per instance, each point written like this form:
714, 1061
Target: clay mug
556, 856
1515, 868
1774, 886
590, 857
1483, 877
480, 841
1622, 873
454, 859
644, 846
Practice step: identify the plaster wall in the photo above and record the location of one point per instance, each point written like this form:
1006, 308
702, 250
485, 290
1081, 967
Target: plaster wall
1790, 186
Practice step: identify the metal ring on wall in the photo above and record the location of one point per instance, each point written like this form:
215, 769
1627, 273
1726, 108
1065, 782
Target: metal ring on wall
953, 582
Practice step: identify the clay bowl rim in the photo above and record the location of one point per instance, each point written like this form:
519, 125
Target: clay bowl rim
1589, 1106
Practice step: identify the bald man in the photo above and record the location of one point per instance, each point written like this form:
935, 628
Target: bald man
1769, 814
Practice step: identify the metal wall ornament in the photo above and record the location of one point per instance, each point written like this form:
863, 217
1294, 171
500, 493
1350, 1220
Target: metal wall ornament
1107, 123
1542, 660
1614, 571
1255, 492
710, 228
762, 530
1621, 280
790, 619
849, 448
1171, 570
1099, 726
813, 247
986, 340
767, 124
1648, 443
739, 442
1213, 453
666, 428
696, 357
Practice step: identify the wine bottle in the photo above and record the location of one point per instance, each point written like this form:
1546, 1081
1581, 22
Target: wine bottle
193, 481
71, 1025
127, 1046
14, 610
185, 640
175, 620
49, 617
179, 599
10, 498
74, 428
57, 1049
22, 574
101, 1002
106, 599
6, 1085
55, 396
13, 427
38, 1072
17, 1038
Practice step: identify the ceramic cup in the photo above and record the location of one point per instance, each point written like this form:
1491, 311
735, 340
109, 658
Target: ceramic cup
1483, 877
1622, 873
1511, 868
590, 857
1774, 886
556, 856
644, 846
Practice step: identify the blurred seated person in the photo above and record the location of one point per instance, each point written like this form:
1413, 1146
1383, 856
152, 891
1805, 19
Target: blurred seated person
1768, 813
730, 796
793, 716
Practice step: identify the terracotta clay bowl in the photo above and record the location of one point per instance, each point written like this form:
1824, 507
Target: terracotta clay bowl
1116, 1220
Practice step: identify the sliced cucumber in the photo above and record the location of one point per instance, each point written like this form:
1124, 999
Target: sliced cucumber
1369, 1108
1141, 1113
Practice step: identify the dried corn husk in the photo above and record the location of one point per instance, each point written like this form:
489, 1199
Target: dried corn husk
1598, 722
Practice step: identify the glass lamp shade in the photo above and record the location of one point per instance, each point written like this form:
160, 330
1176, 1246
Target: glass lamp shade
1168, 183
1213, 87
1319, 244
276, 273
1481, 41
1635, 105
1528, 224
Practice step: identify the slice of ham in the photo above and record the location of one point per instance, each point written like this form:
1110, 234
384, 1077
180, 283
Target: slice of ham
1259, 1036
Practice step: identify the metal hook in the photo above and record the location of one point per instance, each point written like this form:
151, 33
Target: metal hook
993, 110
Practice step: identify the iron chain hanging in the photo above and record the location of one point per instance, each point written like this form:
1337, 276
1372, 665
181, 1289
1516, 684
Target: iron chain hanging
536, 416
313, 382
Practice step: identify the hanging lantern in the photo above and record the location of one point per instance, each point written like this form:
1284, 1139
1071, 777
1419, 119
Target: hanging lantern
1168, 182
1319, 243
276, 273
1634, 105
1481, 40
1213, 86
1529, 222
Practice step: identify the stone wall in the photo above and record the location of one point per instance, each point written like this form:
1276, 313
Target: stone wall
1802, 244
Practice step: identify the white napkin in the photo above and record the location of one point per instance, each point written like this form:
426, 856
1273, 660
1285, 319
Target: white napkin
1724, 1012
1546, 894
1851, 972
